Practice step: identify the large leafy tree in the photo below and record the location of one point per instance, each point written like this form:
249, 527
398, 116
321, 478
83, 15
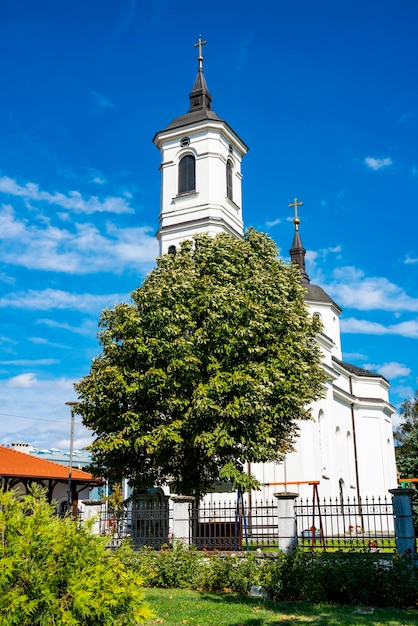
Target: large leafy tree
209, 369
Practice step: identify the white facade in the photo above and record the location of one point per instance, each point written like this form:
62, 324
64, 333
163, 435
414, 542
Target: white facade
347, 448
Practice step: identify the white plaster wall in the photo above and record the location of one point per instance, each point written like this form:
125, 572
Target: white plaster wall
330, 318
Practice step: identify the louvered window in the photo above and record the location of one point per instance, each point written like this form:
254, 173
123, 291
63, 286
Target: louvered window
229, 180
187, 174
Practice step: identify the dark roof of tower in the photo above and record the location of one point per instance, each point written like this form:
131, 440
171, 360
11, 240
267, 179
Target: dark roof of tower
314, 293
357, 371
200, 106
191, 117
200, 97
297, 254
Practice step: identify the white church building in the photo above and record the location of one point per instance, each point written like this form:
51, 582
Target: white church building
347, 449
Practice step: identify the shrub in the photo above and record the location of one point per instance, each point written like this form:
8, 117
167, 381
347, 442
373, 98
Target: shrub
235, 573
182, 566
173, 566
346, 578
54, 572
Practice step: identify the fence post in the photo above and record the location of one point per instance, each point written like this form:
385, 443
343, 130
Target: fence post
182, 521
93, 508
404, 520
287, 530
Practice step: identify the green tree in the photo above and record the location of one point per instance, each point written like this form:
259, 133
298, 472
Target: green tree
210, 368
54, 572
407, 450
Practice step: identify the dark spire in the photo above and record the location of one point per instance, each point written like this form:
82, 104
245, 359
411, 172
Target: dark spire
297, 251
200, 97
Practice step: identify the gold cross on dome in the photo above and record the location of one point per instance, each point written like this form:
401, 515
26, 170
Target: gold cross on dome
295, 204
199, 44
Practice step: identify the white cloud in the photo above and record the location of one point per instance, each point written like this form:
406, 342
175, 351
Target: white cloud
8, 280
7, 340
316, 260
49, 299
82, 250
410, 260
352, 289
101, 100
396, 420
354, 356
72, 201
23, 380
389, 370
36, 412
30, 362
377, 164
97, 178
43, 341
87, 328
273, 223
365, 327
403, 391
311, 256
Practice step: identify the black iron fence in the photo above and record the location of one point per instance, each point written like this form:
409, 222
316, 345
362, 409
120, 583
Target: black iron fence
350, 524
144, 525
329, 524
234, 525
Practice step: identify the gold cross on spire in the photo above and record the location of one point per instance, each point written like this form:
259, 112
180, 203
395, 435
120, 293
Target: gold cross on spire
295, 204
199, 44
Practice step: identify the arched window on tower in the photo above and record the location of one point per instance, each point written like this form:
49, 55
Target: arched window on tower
187, 174
229, 179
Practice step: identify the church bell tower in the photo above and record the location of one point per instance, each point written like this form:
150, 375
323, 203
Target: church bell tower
200, 172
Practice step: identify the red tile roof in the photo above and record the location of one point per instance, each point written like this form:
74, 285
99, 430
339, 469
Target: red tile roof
20, 464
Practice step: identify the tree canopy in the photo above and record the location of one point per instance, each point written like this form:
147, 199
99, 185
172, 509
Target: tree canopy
209, 368
407, 452
407, 436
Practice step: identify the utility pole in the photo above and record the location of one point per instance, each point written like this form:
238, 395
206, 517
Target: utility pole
70, 466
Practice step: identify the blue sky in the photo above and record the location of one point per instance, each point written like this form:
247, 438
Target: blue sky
325, 95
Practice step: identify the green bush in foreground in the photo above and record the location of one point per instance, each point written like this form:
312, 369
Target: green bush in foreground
344, 578
368, 579
53, 572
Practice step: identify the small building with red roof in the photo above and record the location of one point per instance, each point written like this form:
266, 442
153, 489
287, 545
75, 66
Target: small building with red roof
18, 470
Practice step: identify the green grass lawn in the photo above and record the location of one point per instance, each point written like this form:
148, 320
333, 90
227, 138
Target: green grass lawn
174, 607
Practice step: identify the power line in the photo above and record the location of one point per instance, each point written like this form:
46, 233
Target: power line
37, 419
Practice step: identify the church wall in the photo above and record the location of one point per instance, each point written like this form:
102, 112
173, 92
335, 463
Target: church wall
331, 324
376, 454
365, 387
371, 462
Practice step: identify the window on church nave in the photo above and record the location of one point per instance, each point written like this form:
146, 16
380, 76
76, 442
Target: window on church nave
187, 174
229, 179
